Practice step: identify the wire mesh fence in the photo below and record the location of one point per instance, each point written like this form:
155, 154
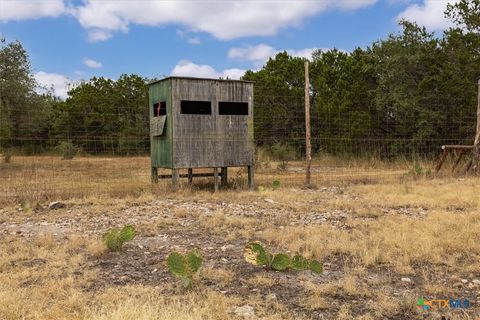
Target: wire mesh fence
109, 154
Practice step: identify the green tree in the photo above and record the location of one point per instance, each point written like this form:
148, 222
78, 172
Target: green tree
23, 112
103, 115
279, 96
465, 13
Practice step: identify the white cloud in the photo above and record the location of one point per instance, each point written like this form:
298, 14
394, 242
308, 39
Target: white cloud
187, 68
194, 40
59, 83
233, 73
14, 10
92, 63
429, 14
184, 35
259, 54
95, 35
302, 53
223, 19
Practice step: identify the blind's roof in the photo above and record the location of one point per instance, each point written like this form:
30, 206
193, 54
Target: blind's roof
193, 78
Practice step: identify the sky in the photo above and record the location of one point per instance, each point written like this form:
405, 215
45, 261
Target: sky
73, 40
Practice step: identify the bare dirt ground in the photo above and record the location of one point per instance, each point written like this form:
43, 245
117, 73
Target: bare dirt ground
382, 245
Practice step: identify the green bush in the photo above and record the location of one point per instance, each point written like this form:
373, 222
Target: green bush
115, 238
185, 267
67, 150
282, 152
276, 184
256, 254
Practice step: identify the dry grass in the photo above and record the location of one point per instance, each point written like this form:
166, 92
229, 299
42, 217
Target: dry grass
146, 303
40, 178
427, 229
398, 241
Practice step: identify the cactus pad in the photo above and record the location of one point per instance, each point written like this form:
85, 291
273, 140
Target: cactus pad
194, 260
255, 254
280, 262
176, 264
127, 233
299, 263
316, 267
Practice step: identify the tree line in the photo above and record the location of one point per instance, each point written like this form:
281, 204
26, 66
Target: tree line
401, 96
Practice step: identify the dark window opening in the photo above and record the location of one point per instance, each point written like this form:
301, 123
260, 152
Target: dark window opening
233, 108
195, 107
160, 109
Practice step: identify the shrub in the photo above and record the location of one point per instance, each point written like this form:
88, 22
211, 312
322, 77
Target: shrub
115, 238
185, 267
282, 166
256, 254
67, 150
7, 155
275, 184
282, 152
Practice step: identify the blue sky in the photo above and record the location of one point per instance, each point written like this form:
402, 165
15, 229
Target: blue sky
70, 40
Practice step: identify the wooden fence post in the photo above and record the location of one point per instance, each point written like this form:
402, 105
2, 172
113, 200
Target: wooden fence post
308, 145
474, 162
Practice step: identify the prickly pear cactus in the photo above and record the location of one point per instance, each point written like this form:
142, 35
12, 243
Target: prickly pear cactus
194, 261
185, 266
299, 263
315, 266
255, 254
176, 264
114, 238
127, 233
280, 262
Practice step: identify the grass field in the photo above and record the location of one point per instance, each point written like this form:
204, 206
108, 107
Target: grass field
386, 237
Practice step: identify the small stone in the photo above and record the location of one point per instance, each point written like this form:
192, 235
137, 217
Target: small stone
476, 281
246, 311
56, 205
269, 200
458, 285
464, 280
224, 260
406, 280
271, 296
154, 270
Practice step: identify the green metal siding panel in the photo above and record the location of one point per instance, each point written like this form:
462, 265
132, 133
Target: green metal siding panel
161, 146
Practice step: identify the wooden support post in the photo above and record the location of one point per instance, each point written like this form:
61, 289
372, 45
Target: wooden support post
154, 175
190, 175
224, 176
175, 178
308, 143
215, 178
250, 178
460, 156
442, 159
476, 144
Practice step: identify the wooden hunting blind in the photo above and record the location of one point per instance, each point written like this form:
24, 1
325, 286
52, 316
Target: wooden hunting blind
201, 123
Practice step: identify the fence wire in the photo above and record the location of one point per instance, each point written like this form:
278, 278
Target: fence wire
111, 152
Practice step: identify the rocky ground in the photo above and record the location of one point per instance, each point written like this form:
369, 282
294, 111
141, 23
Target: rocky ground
221, 226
